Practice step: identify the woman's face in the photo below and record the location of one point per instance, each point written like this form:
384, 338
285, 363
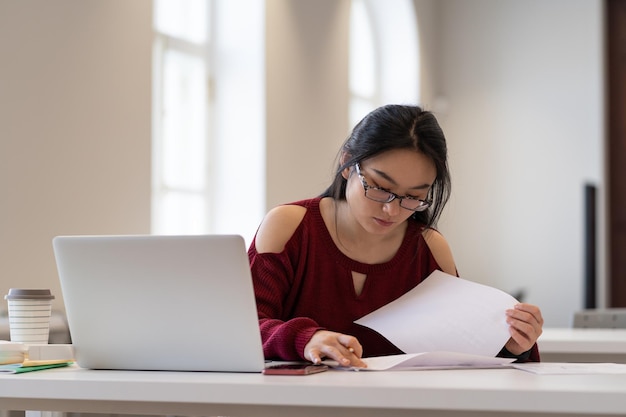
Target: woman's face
400, 171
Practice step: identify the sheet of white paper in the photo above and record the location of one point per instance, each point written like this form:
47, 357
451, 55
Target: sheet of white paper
427, 360
563, 368
432, 360
445, 313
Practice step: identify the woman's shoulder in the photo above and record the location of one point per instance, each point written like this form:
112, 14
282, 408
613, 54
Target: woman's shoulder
279, 225
440, 250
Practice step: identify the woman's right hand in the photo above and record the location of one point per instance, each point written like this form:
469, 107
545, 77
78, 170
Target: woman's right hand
344, 349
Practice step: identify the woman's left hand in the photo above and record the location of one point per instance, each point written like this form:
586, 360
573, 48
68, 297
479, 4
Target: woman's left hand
525, 325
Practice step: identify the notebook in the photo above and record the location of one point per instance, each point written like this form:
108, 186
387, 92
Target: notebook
171, 303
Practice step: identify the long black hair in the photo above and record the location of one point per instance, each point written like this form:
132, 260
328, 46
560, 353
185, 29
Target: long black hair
397, 127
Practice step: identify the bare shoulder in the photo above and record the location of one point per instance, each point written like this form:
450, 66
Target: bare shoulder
441, 251
277, 228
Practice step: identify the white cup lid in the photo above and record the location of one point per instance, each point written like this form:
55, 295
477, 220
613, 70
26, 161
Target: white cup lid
28, 294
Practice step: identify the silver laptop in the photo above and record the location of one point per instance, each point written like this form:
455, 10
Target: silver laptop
172, 303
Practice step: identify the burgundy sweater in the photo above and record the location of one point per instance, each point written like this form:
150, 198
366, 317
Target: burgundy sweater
309, 286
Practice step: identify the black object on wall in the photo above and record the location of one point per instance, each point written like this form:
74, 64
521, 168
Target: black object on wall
590, 246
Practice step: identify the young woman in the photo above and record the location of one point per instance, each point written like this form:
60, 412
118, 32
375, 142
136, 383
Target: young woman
320, 264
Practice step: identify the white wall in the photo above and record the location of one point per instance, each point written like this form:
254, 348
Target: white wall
307, 96
429, 36
74, 129
523, 82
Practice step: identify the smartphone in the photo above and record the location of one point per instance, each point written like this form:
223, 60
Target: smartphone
294, 369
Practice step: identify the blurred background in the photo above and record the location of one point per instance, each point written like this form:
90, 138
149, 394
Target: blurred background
197, 116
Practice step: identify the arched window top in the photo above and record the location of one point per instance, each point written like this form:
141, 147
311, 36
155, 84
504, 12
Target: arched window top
384, 55
183, 19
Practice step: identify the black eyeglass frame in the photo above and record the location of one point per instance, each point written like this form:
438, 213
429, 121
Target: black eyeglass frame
423, 204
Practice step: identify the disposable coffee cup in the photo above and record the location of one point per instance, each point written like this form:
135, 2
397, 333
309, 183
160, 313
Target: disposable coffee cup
29, 315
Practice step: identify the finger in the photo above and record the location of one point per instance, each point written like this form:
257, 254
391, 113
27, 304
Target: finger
528, 328
314, 356
521, 340
531, 309
533, 318
524, 334
351, 344
355, 359
343, 356
515, 348
354, 350
522, 316
337, 355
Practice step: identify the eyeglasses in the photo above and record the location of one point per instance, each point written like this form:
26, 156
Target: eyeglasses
384, 196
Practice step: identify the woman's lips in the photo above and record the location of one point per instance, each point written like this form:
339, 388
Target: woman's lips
382, 222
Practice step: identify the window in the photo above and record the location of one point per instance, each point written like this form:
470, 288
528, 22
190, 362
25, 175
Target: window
180, 152
384, 55
208, 172
209, 103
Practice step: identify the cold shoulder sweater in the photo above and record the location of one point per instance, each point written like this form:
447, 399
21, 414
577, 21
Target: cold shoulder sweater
309, 286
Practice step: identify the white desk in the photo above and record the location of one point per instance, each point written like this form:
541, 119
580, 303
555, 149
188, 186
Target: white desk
486, 392
583, 345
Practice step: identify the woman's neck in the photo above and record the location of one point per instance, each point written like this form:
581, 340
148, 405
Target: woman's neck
354, 241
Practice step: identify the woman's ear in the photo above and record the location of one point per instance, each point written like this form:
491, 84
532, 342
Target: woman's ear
345, 173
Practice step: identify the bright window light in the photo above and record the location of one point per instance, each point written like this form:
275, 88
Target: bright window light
384, 55
182, 19
208, 61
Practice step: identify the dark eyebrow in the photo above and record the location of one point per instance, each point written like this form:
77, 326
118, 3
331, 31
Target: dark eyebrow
391, 180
